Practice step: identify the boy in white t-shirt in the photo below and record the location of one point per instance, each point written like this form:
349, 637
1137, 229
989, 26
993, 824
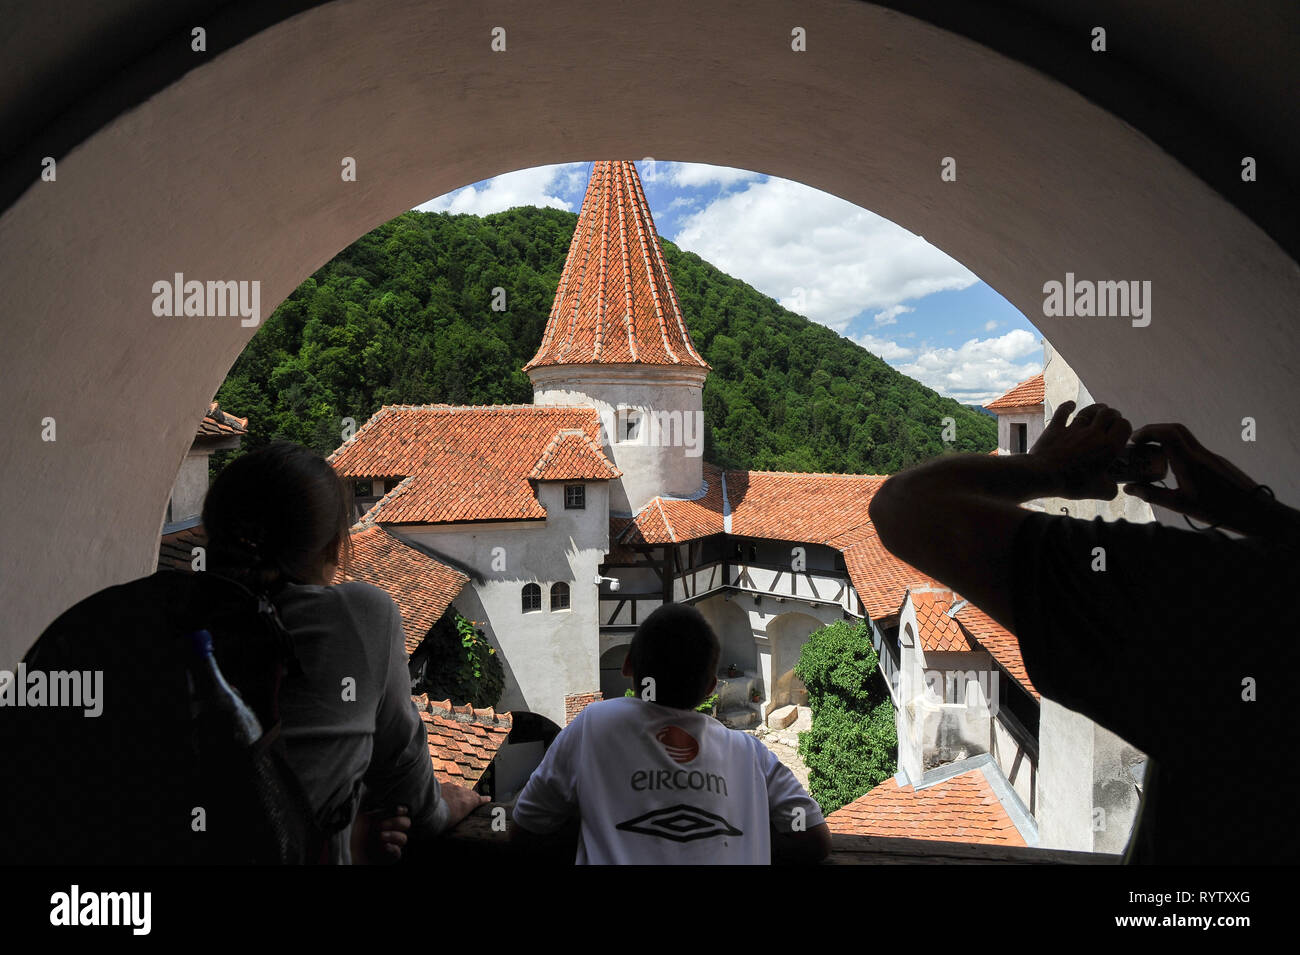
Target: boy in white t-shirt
657, 782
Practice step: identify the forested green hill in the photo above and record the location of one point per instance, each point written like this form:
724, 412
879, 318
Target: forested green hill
404, 315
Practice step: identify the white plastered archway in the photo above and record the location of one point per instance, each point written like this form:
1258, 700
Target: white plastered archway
233, 173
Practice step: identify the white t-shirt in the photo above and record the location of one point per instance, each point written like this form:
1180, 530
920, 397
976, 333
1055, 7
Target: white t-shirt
657, 785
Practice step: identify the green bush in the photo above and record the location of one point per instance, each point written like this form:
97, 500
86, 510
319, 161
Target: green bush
461, 665
853, 743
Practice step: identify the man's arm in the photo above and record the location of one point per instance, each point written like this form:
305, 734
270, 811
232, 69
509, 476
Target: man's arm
559, 845
801, 848
800, 835
546, 817
955, 518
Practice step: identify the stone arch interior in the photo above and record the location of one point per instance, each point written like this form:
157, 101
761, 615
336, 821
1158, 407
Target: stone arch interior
531, 734
613, 684
787, 635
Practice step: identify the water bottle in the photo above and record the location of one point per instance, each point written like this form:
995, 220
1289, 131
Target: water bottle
213, 689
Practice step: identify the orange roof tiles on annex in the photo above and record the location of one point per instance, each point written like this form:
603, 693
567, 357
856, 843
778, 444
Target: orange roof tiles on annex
422, 587
961, 809
462, 740
878, 576
615, 302
939, 632
1028, 393
466, 463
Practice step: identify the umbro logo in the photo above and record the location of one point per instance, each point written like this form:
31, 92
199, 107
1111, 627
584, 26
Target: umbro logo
681, 745
680, 823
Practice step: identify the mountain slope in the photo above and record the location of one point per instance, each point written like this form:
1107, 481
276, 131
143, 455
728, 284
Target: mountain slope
405, 315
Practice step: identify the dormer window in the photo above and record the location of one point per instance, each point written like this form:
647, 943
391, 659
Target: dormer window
629, 425
575, 497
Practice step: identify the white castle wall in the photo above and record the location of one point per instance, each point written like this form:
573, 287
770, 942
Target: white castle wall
546, 654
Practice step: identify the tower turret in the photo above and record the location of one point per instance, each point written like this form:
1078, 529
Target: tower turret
616, 340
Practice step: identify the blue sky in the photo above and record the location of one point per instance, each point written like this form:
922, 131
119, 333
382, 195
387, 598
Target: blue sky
829, 260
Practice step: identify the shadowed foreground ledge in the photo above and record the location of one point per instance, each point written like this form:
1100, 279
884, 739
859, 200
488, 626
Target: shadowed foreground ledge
475, 841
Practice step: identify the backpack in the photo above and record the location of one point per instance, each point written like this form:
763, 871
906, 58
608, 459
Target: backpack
160, 776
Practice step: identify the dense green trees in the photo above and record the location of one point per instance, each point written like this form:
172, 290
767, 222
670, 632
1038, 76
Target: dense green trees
404, 315
852, 746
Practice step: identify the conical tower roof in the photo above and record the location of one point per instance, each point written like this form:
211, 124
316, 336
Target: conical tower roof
615, 303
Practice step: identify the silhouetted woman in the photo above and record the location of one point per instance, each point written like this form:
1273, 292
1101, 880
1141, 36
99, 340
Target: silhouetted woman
328, 662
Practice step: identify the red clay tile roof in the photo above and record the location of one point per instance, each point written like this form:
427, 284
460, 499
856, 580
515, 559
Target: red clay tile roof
219, 423
828, 509
422, 587
1024, 395
817, 508
878, 576
462, 740
615, 302
572, 456
666, 520
938, 630
1001, 644
461, 463
175, 550
961, 809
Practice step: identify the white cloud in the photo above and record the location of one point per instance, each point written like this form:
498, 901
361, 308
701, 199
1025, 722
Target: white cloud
979, 370
890, 315
888, 350
990, 325
683, 201
526, 187
689, 175
815, 253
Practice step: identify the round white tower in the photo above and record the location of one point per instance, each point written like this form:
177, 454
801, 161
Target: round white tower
616, 341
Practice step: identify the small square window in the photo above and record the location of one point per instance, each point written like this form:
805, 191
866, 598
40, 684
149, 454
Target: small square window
575, 497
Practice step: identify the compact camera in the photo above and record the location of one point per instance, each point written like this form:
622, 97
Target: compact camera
1139, 464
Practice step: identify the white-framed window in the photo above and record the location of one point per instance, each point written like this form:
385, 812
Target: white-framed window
560, 596
532, 598
575, 497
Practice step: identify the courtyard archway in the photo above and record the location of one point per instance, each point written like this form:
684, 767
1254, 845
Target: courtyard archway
233, 172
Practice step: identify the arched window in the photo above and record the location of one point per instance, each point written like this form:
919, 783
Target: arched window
560, 596
532, 598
